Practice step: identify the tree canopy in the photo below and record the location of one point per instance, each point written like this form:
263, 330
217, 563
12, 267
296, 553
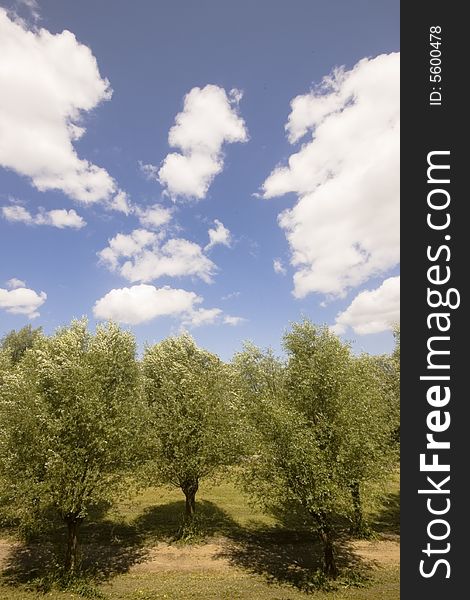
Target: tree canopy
320, 421
15, 343
193, 414
73, 416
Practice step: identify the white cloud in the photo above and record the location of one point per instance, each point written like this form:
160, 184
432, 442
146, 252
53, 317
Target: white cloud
208, 120
15, 283
59, 217
150, 171
123, 245
155, 216
48, 82
21, 300
202, 316
372, 311
229, 320
231, 295
279, 267
219, 235
141, 303
210, 316
121, 203
148, 258
17, 214
344, 227
32, 5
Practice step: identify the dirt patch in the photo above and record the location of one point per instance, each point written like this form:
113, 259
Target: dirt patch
5, 548
384, 552
167, 557
213, 556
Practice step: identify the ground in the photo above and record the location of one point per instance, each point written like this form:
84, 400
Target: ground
241, 555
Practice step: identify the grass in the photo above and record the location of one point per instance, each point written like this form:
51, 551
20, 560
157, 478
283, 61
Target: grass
262, 558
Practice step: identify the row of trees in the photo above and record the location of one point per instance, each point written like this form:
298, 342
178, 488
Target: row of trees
81, 418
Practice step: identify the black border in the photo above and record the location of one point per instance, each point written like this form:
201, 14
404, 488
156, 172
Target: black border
426, 128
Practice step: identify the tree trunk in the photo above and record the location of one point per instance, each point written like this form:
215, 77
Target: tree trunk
190, 488
71, 555
329, 560
359, 526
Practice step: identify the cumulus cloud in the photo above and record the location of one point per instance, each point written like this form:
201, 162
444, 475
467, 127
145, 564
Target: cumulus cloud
150, 171
32, 6
231, 296
59, 217
142, 303
208, 120
20, 300
219, 235
202, 316
344, 227
229, 320
372, 311
210, 316
154, 216
278, 267
143, 256
121, 202
15, 283
48, 82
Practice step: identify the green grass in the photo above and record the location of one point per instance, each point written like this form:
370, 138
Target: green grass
268, 560
239, 586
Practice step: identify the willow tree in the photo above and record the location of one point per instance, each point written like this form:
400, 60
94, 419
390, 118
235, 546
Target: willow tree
72, 419
294, 408
193, 415
366, 453
15, 343
321, 431
388, 366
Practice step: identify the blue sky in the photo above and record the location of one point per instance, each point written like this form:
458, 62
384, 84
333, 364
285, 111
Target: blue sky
230, 70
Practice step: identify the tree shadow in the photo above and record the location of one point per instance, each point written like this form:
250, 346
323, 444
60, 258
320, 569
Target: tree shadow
162, 522
387, 519
286, 556
287, 553
107, 548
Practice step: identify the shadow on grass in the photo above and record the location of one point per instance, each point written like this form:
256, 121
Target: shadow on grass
107, 548
387, 520
162, 522
286, 553
284, 556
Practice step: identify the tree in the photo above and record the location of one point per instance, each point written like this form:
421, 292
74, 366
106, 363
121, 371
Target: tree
317, 365
309, 418
366, 453
193, 415
4, 364
15, 343
73, 419
389, 367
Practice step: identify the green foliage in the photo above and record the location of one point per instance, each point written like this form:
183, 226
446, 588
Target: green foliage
314, 433
60, 581
389, 376
73, 422
193, 413
16, 343
321, 427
